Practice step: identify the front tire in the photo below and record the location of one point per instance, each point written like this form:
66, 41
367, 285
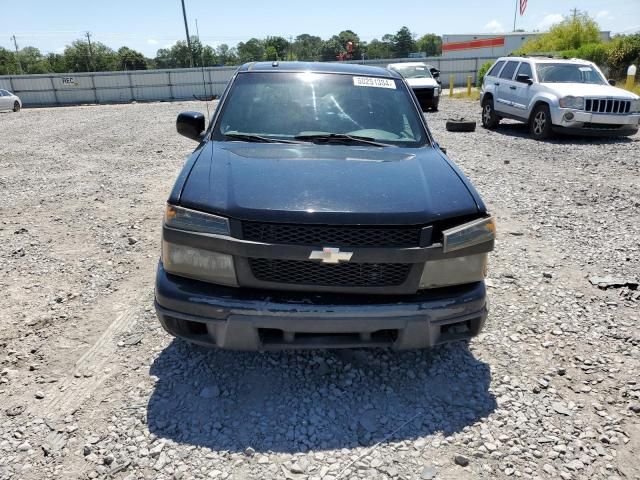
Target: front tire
540, 124
490, 120
16, 106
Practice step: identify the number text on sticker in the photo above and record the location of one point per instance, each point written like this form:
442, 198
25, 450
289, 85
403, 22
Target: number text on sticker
374, 82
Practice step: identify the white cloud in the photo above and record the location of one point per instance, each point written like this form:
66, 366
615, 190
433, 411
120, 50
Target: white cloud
152, 41
494, 26
59, 50
549, 20
604, 15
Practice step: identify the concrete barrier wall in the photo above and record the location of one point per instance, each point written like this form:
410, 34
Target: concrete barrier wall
166, 85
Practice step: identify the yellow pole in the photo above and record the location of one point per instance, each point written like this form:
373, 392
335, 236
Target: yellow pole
451, 77
469, 77
631, 77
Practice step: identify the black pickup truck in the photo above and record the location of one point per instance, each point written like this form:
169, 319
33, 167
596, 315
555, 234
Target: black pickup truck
318, 212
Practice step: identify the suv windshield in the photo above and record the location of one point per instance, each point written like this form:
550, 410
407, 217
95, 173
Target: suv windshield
413, 71
286, 105
568, 73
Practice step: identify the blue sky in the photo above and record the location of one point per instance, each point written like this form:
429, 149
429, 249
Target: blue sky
147, 25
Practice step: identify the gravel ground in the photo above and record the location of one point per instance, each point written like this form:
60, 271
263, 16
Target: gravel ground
92, 387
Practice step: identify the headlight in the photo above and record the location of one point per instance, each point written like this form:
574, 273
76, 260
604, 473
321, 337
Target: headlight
469, 234
635, 106
572, 102
194, 221
454, 271
199, 264
436, 92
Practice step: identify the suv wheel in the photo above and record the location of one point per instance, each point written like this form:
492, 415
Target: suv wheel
489, 118
16, 107
540, 124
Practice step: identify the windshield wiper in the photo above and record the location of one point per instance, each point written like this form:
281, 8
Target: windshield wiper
340, 138
249, 137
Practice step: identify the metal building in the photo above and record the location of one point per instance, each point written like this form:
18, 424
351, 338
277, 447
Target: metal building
489, 44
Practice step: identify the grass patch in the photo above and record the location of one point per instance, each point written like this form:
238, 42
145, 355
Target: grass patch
475, 95
635, 89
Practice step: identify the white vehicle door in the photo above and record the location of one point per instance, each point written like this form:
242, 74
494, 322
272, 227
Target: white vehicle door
522, 95
5, 100
506, 88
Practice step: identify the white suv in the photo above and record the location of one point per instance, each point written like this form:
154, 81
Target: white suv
554, 95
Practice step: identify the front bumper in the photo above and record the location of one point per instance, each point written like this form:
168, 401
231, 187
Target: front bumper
428, 97
251, 319
578, 122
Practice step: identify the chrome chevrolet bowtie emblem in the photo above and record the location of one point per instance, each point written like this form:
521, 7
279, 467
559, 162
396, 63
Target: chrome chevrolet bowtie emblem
330, 255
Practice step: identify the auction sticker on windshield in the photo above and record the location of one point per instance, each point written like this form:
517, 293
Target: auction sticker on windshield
374, 82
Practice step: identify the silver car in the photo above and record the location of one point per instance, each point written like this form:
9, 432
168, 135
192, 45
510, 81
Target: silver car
9, 101
557, 95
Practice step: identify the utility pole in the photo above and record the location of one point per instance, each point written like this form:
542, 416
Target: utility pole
290, 48
91, 66
186, 29
15, 43
574, 11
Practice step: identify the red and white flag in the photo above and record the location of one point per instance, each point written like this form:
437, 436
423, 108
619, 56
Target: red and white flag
523, 6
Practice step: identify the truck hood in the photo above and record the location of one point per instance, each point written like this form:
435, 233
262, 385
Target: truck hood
589, 90
422, 82
336, 184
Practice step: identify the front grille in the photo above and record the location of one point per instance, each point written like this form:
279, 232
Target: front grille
304, 272
329, 235
607, 105
424, 93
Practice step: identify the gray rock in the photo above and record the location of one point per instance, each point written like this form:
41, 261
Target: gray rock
461, 460
561, 408
428, 472
210, 392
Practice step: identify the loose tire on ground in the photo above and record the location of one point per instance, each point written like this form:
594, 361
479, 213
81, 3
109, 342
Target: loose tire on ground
460, 125
16, 106
540, 123
490, 120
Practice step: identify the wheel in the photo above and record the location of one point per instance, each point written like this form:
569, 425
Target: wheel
540, 124
460, 125
434, 107
16, 106
489, 118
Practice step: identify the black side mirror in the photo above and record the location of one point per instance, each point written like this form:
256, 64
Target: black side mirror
191, 125
435, 72
612, 82
522, 78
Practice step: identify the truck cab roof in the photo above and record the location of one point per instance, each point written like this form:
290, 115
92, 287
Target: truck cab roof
319, 67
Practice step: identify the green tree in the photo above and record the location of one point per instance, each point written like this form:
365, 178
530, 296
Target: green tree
178, 56
429, 44
330, 49
337, 46
307, 47
129, 59
623, 51
8, 63
251, 51
57, 63
403, 43
570, 34
278, 46
347, 36
226, 55
379, 49
99, 58
33, 61
483, 72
